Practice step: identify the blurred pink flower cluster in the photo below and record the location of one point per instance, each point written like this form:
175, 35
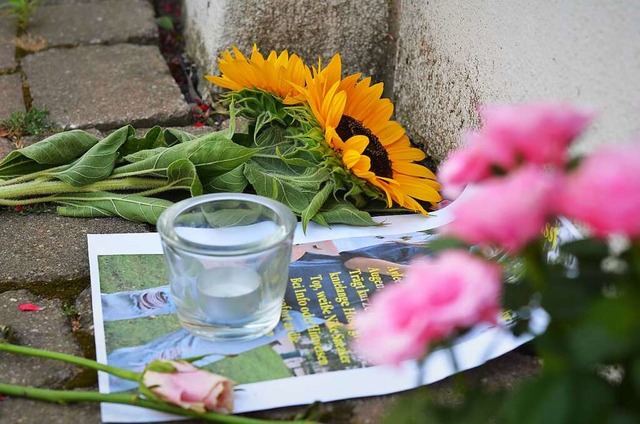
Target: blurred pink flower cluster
437, 296
520, 166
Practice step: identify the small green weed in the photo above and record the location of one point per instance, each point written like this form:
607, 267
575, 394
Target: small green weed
70, 311
21, 9
20, 124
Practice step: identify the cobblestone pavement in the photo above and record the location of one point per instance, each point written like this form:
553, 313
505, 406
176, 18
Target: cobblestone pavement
101, 68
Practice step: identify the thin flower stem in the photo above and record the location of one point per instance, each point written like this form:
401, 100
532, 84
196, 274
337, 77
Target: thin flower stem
452, 356
83, 362
534, 267
635, 258
459, 380
66, 396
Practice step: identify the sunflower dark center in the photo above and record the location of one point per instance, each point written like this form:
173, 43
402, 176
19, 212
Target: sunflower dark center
380, 162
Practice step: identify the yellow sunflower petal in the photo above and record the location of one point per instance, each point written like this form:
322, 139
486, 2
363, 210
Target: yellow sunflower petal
407, 153
350, 158
413, 169
357, 143
418, 188
276, 74
388, 133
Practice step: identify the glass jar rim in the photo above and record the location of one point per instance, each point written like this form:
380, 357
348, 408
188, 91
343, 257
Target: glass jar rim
286, 224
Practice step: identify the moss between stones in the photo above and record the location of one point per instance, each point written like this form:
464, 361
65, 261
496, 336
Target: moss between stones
65, 290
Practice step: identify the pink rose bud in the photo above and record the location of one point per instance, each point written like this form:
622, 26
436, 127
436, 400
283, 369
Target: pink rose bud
182, 384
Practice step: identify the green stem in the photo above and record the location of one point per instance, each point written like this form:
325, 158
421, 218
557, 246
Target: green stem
40, 188
83, 362
29, 201
534, 267
635, 258
459, 379
65, 396
34, 175
157, 190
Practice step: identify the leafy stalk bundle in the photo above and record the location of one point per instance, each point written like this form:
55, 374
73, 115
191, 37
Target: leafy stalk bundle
277, 156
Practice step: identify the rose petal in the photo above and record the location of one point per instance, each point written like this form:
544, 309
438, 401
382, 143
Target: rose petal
29, 307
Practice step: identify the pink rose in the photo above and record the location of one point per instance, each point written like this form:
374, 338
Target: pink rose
604, 192
508, 212
455, 290
472, 164
537, 133
182, 384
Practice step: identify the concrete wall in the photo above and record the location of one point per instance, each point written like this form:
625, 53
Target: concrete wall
440, 59
452, 55
356, 29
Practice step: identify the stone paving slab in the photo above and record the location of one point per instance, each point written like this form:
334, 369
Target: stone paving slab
10, 95
7, 48
105, 87
46, 329
5, 147
105, 22
50, 2
24, 411
48, 250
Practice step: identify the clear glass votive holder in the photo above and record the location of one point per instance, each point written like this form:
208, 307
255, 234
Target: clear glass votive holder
228, 259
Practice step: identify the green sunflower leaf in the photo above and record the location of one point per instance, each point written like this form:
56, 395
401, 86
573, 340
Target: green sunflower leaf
232, 217
213, 154
143, 154
136, 145
58, 149
233, 181
98, 162
101, 204
316, 203
174, 136
294, 190
344, 213
182, 175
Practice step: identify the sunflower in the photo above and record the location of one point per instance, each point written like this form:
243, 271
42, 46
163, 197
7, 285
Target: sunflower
275, 74
357, 125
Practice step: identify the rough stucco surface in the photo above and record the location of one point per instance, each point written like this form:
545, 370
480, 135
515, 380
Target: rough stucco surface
312, 29
452, 56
